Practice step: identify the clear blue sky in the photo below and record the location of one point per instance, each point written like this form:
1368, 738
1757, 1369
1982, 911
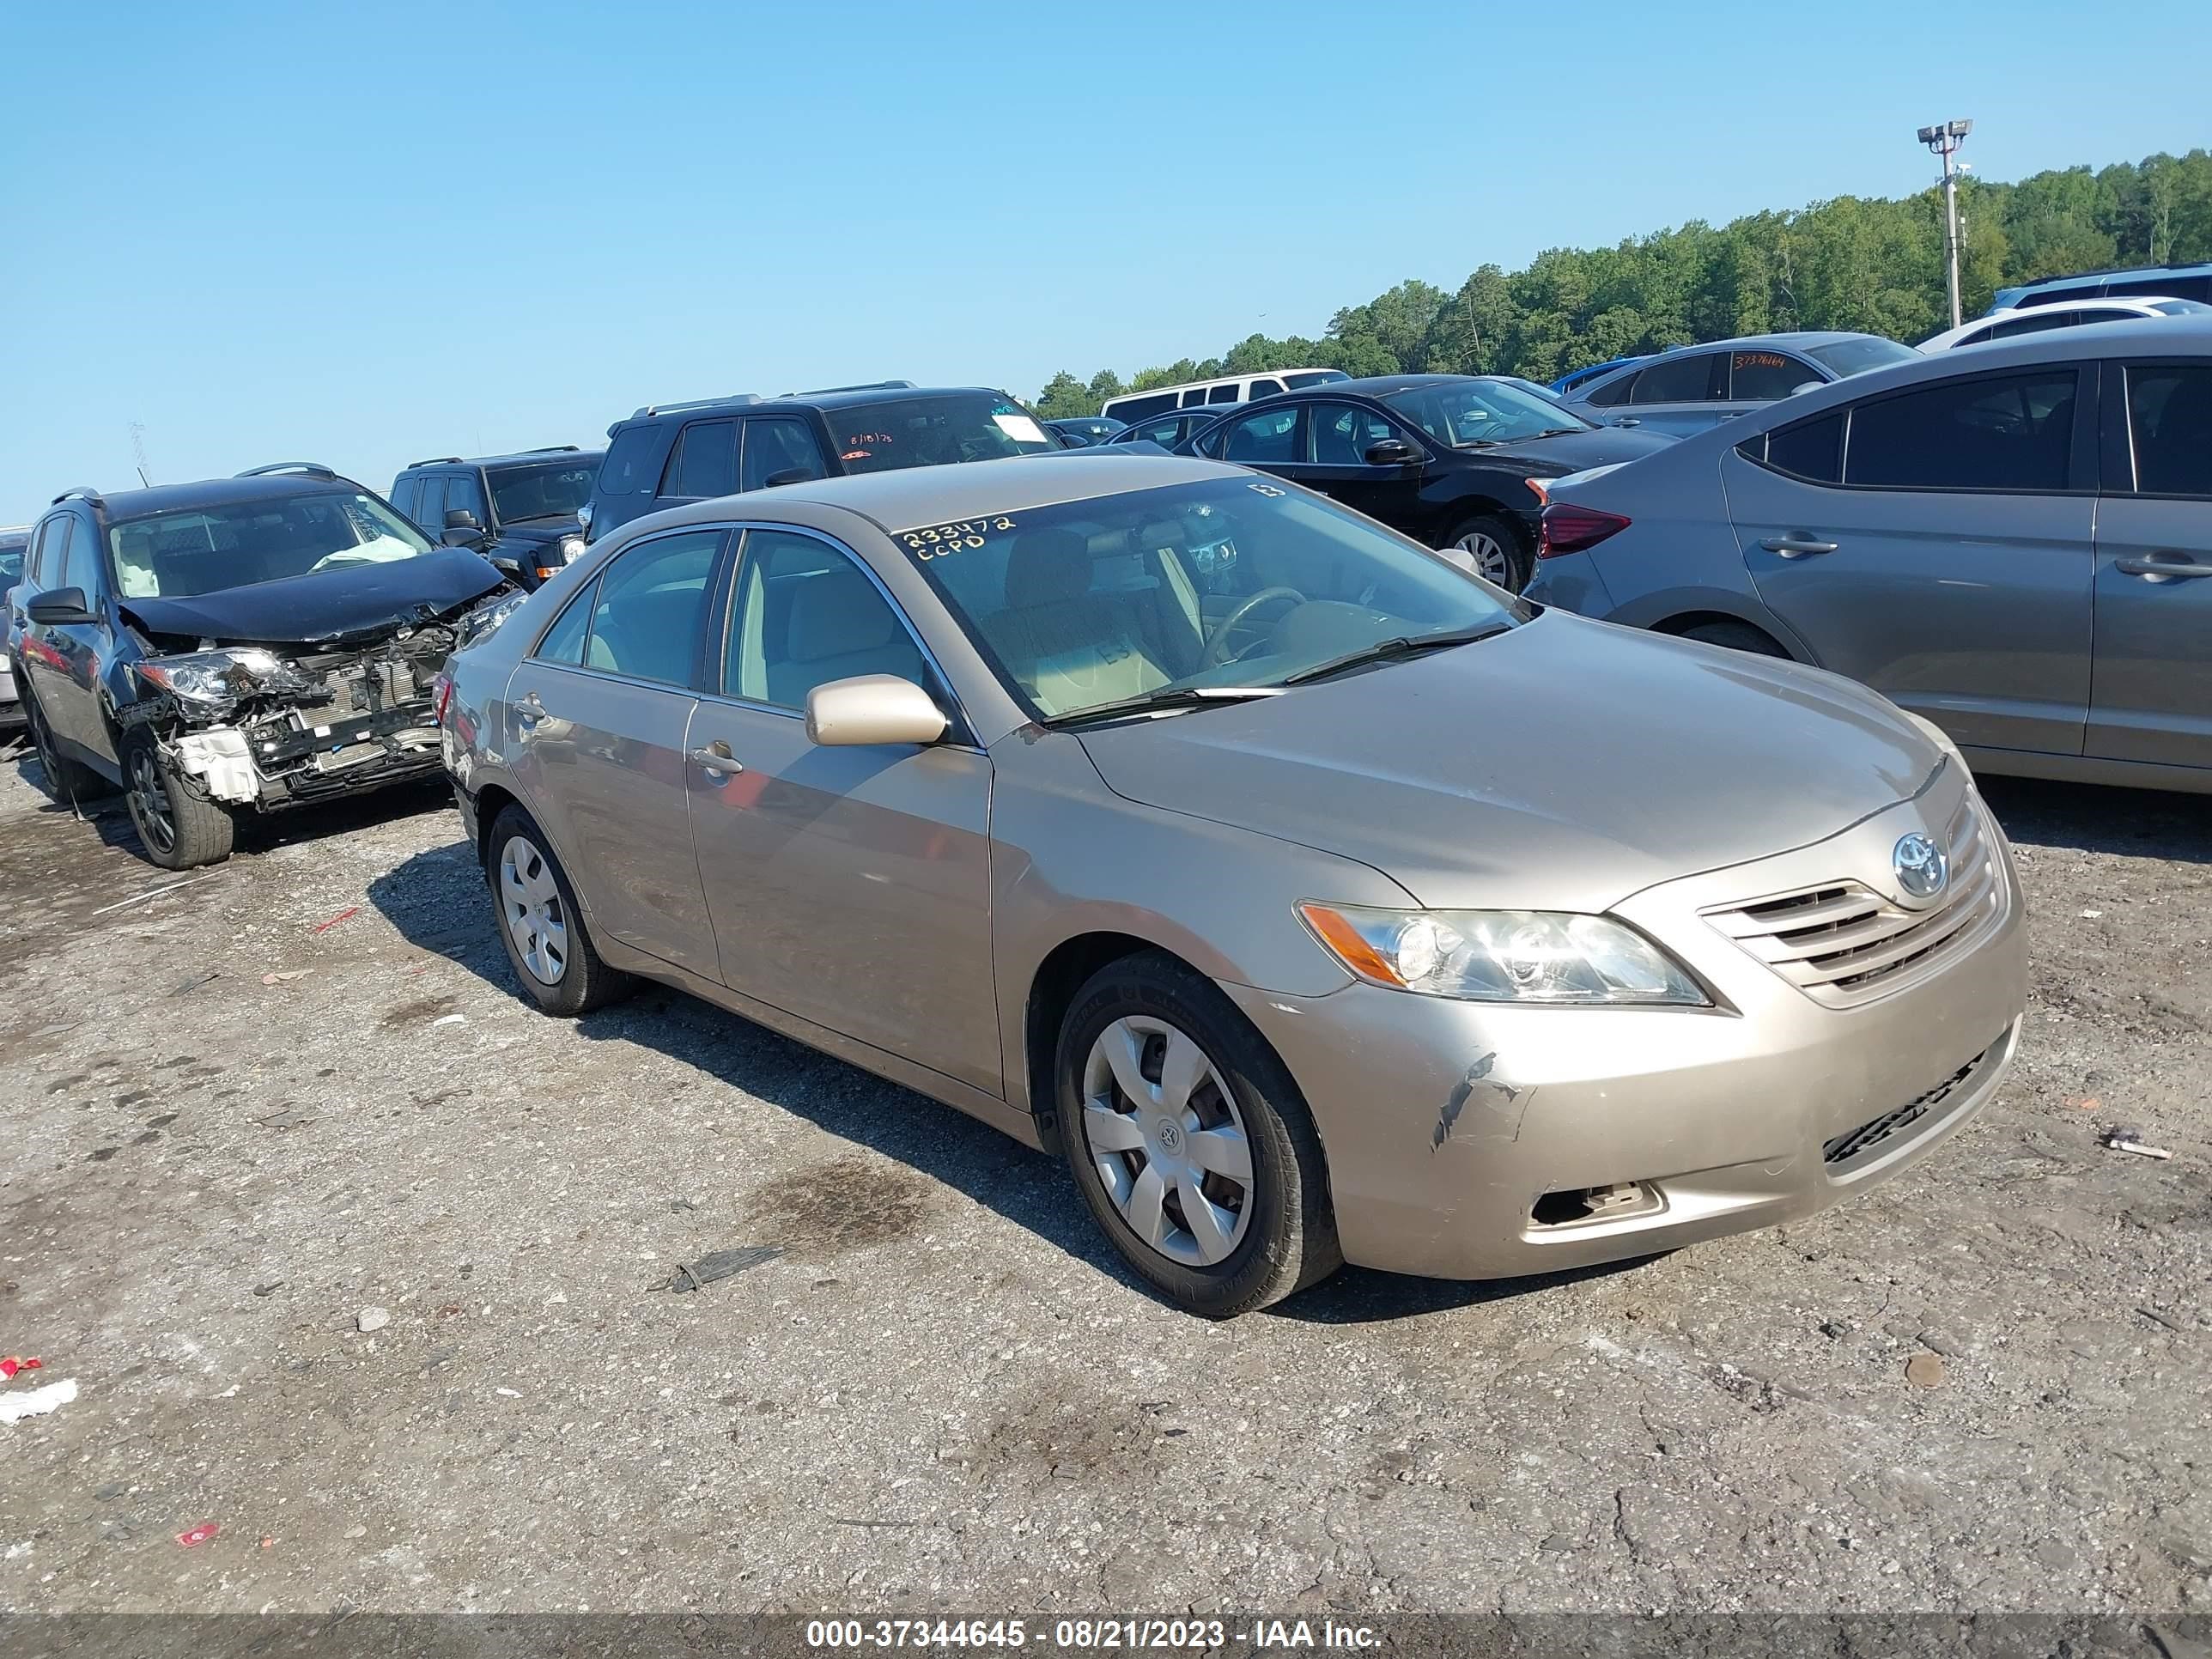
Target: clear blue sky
363, 234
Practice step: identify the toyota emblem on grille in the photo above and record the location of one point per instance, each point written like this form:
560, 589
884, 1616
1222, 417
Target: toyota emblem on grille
1921, 868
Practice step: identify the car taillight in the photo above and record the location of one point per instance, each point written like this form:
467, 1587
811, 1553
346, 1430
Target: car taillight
1565, 528
441, 691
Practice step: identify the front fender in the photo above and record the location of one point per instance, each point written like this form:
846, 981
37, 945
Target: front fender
1071, 859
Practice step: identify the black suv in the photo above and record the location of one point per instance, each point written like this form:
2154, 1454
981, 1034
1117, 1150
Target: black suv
1459, 461
666, 453
519, 511
237, 644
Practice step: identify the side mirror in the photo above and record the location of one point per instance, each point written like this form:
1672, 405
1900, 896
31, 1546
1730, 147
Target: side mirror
872, 709
790, 474
459, 518
1392, 452
61, 607
1807, 385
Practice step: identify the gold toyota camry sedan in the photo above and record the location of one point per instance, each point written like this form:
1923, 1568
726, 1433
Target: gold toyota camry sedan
1162, 814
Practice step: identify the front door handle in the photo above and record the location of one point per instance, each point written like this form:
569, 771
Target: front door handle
716, 758
2174, 565
1797, 547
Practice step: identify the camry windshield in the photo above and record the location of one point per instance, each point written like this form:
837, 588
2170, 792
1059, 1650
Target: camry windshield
1856, 356
1469, 413
549, 490
961, 426
1219, 588
204, 550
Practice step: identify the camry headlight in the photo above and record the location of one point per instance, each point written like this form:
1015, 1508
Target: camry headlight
1503, 955
483, 622
214, 675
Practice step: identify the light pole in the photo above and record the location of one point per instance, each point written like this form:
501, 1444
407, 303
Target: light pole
1945, 140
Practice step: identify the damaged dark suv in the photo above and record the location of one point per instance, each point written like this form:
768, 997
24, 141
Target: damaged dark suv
237, 645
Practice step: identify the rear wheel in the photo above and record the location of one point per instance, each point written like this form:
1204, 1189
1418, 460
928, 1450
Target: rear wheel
541, 924
1189, 1142
1490, 548
1736, 636
179, 828
66, 780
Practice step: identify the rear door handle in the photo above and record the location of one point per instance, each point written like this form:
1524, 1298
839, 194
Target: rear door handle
1797, 547
716, 758
2154, 566
529, 710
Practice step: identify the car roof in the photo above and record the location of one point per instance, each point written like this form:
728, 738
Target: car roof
832, 397
222, 492
554, 452
906, 496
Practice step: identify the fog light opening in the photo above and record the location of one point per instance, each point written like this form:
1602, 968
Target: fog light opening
1579, 1204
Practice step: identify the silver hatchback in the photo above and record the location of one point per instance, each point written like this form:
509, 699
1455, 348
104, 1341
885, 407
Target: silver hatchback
2012, 540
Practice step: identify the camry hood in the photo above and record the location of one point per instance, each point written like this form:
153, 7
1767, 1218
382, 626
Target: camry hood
1563, 766
354, 604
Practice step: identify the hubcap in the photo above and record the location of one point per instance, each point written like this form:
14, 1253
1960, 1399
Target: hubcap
1167, 1140
149, 800
1488, 557
530, 900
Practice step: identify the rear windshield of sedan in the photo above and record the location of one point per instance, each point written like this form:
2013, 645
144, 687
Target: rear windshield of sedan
876, 437
1235, 581
205, 549
1472, 414
1858, 357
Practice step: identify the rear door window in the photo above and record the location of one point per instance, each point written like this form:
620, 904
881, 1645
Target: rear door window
1680, 380
651, 606
2012, 432
2035, 322
432, 517
1338, 434
1613, 392
1195, 395
2170, 425
404, 496
704, 462
1139, 409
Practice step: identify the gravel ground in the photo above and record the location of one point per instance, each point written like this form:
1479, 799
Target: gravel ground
303, 1086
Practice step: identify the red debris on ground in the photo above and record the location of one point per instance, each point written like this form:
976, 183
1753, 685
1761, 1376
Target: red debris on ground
325, 927
11, 1365
197, 1535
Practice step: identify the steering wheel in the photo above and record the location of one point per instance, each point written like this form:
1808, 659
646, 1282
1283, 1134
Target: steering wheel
1217, 643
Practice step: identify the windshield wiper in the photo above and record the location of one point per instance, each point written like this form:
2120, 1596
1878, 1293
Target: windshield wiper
1167, 696
1560, 431
1403, 645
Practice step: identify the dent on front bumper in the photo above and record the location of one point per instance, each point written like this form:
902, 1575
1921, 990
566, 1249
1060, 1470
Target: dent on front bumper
1446, 1122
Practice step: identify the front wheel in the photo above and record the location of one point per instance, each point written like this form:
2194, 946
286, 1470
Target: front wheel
179, 828
1190, 1143
1490, 547
541, 923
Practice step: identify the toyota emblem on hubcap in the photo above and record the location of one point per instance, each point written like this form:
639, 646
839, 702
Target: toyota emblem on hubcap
1921, 868
1170, 1136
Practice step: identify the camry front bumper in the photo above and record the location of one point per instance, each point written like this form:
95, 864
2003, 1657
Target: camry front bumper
1474, 1140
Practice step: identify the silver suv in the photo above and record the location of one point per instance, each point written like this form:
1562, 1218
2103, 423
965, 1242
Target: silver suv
2008, 540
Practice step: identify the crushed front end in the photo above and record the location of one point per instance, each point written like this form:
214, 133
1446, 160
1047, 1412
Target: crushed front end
267, 727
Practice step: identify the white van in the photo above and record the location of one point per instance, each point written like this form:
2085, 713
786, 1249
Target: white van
1233, 389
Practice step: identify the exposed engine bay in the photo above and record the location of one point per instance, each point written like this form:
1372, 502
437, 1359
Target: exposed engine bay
265, 726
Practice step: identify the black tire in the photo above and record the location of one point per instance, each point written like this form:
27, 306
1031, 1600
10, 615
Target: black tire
1289, 1237
1520, 558
178, 829
1736, 636
582, 982
66, 780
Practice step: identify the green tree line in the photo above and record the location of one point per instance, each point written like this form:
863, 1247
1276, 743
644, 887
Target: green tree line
1862, 263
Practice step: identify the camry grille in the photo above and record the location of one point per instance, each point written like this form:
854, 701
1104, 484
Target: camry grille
1843, 944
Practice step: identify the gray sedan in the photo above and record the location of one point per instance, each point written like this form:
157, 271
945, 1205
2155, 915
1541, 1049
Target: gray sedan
1690, 388
1131, 809
2011, 541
